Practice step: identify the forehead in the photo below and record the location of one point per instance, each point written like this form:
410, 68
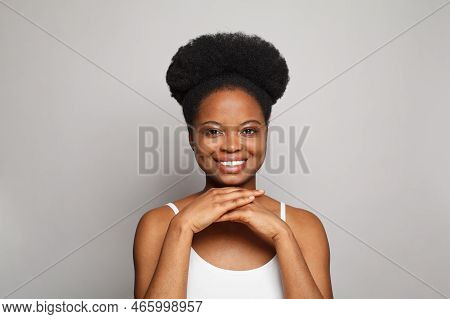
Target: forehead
229, 107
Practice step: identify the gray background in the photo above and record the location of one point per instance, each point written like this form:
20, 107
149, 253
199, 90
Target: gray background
79, 77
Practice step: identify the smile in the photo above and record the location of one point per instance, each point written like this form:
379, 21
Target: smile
231, 166
232, 163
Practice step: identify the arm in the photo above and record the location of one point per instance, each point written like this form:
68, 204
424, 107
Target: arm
161, 256
170, 278
303, 254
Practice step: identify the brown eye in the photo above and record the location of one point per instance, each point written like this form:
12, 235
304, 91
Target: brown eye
249, 131
212, 132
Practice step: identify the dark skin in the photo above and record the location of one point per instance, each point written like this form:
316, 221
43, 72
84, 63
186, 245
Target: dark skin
240, 131
248, 237
225, 225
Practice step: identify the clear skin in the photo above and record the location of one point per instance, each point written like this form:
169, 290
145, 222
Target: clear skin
238, 132
239, 129
229, 123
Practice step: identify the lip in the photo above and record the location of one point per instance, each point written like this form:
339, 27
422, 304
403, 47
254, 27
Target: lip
229, 159
231, 169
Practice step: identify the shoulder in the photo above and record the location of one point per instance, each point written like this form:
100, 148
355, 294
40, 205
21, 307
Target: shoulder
308, 229
151, 231
156, 217
160, 216
153, 225
300, 216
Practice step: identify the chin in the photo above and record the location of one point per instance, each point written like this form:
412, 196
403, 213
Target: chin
231, 179
225, 177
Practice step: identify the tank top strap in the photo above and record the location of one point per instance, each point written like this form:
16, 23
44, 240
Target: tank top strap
283, 211
174, 207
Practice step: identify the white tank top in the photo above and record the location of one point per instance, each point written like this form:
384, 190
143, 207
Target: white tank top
207, 281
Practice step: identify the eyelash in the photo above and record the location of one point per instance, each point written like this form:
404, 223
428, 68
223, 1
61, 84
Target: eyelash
208, 131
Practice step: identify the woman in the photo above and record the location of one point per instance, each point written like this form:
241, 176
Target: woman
229, 240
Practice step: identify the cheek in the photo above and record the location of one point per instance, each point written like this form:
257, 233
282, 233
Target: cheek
205, 148
208, 146
256, 146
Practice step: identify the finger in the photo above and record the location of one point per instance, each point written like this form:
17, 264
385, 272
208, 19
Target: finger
230, 189
236, 216
238, 194
225, 190
225, 206
222, 218
225, 217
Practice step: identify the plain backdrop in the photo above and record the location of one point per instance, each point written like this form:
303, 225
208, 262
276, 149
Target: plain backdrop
369, 78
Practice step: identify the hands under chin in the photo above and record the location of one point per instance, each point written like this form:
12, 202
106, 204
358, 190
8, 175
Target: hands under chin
265, 223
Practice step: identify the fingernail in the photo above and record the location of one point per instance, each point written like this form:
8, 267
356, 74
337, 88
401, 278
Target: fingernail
251, 197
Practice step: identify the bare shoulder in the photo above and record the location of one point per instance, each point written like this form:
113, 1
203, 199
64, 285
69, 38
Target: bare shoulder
156, 217
306, 226
153, 225
302, 217
151, 230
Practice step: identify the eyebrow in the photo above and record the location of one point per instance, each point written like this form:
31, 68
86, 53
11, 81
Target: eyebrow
215, 122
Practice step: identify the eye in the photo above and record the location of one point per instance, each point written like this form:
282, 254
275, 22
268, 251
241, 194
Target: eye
211, 132
250, 131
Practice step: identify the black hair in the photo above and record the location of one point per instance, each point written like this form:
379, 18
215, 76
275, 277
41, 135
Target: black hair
212, 62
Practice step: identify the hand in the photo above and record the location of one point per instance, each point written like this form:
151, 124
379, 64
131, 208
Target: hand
258, 218
206, 208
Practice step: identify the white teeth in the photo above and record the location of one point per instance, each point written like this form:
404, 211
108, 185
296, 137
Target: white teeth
232, 163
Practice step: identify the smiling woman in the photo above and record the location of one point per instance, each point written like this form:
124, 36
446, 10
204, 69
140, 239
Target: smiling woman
229, 240
229, 134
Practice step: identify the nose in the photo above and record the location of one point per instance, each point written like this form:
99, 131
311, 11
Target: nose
232, 143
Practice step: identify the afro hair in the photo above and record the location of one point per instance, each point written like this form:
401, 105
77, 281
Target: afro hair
227, 60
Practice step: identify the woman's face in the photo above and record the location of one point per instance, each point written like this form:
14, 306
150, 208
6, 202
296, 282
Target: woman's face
229, 126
